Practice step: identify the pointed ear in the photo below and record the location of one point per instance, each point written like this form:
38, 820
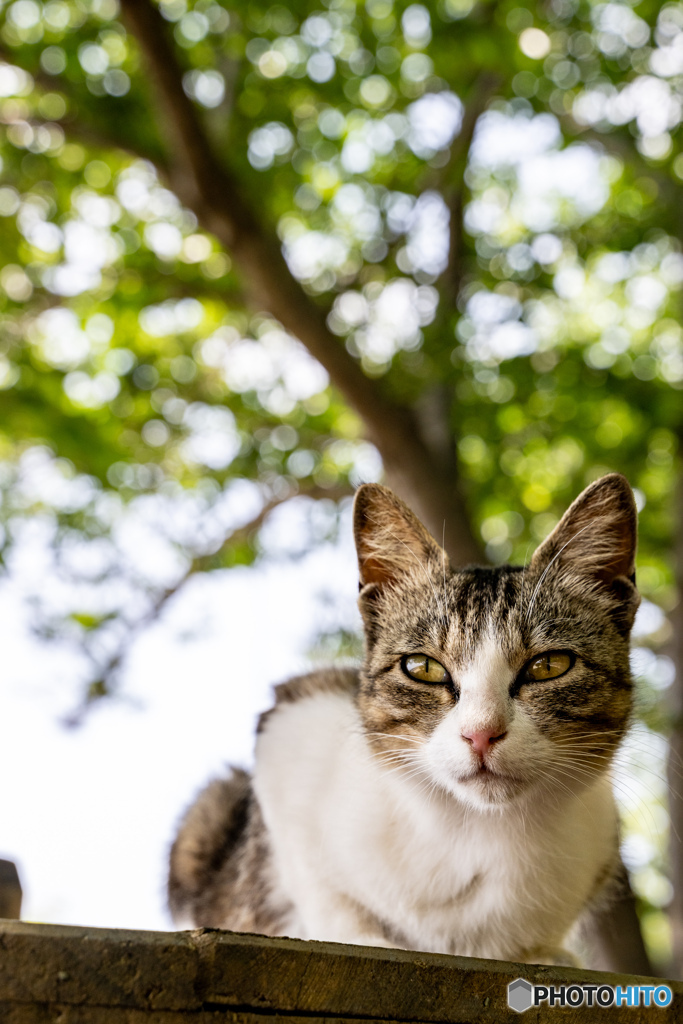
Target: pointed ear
596, 537
390, 540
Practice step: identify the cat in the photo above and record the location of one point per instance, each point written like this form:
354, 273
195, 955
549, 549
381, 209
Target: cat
453, 794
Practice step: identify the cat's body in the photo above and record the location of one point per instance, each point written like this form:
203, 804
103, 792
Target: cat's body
453, 795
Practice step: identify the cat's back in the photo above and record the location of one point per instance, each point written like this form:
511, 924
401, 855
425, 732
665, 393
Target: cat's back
221, 866
319, 686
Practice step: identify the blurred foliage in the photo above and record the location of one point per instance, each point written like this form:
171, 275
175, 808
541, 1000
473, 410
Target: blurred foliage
142, 398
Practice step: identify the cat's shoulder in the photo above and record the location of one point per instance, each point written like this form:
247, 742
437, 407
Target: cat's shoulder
332, 680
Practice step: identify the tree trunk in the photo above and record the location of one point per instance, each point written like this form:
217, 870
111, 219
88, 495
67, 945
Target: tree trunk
210, 190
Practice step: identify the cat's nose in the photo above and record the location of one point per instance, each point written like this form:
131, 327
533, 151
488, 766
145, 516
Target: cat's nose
480, 740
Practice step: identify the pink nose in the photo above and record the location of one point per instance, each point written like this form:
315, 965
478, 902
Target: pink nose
481, 741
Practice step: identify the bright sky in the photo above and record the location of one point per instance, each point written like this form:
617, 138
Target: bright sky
89, 814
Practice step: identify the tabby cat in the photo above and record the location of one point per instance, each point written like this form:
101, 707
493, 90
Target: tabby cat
453, 794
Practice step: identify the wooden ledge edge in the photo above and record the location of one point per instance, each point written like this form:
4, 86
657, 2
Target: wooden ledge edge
195, 973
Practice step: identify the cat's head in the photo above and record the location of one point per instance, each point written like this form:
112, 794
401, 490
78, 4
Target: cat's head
496, 683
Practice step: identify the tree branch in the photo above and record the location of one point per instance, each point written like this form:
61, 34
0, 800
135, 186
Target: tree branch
105, 683
94, 135
89, 132
215, 196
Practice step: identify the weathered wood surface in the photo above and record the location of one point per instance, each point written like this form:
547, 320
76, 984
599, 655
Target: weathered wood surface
53, 974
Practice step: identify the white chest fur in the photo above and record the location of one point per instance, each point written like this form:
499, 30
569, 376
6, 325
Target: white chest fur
367, 855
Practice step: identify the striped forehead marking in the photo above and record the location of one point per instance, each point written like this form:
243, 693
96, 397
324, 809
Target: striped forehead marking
481, 604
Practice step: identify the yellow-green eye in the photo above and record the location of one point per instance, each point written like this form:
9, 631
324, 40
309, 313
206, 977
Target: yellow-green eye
424, 669
550, 665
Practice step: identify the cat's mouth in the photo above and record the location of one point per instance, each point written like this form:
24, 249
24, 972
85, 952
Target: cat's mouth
486, 771
488, 777
490, 787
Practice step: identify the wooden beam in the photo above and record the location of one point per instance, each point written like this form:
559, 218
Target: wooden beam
97, 976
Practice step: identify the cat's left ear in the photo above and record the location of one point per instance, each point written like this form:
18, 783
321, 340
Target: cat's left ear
596, 538
390, 540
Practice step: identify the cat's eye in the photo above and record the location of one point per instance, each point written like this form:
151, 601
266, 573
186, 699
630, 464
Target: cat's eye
424, 669
550, 665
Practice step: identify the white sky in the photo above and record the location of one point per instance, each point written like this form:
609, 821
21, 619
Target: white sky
88, 814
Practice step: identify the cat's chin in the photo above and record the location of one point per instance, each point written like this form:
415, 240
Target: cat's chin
487, 790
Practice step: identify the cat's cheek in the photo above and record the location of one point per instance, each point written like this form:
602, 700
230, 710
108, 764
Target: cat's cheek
445, 753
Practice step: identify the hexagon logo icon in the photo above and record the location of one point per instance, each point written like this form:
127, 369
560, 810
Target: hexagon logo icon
520, 995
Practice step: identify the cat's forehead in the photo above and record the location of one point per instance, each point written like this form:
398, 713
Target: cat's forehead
509, 608
483, 603
460, 609
471, 595
478, 589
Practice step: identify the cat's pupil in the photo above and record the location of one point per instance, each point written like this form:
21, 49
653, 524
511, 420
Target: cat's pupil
550, 665
424, 669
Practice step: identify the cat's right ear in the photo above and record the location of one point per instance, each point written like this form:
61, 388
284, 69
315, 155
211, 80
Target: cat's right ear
594, 544
390, 540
